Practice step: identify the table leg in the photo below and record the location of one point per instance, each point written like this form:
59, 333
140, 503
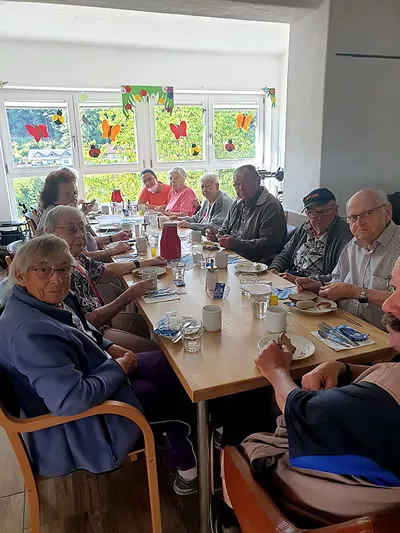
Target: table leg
204, 465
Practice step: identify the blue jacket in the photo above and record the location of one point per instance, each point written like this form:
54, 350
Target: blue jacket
54, 367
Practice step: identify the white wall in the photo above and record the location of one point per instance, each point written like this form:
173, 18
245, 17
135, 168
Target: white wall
62, 65
305, 100
361, 132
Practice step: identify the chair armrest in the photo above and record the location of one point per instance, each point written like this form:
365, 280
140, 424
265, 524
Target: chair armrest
109, 407
253, 507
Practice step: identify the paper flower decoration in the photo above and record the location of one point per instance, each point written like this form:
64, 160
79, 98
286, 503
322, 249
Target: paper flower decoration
271, 93
132, 94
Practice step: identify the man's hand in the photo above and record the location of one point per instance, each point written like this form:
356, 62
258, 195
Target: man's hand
340, 291
157, 261
211, 235
226, 242
273, 271
288, 277
118, 248
273, 358
121, 236
125, 358
138, 289
307, 284
324, 376
183, 224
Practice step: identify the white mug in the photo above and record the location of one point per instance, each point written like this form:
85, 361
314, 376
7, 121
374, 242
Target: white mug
125, 226
141, 245
221, 260
278, 318
212, 317
161, 220
150, 273
105, 209
195, 236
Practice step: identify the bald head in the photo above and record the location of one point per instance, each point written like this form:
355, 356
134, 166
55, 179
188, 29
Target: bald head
368, 213
246, 181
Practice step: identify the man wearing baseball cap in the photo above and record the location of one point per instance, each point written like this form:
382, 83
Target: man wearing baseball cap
315, 247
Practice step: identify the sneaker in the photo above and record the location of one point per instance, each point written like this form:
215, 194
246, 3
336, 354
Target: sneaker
182, 487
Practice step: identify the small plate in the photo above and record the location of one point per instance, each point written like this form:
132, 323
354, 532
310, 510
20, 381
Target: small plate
109, 227
304, 347
315, 311
246, 267
160, 270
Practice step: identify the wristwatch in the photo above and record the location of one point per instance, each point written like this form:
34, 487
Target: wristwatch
137, 264
363, 298
110, 239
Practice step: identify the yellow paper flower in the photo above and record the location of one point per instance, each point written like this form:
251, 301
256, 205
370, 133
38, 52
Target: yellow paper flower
137, 97
161, 101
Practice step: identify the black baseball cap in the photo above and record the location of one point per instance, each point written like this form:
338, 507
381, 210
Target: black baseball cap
318, 197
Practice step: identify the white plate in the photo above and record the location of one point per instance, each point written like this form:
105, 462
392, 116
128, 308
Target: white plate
246, 267
304, 347
110, 227
160, 270
315, 311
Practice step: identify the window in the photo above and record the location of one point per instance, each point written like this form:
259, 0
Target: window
180, 136
108, 137
234, 133
39, 135
100, 186
192, 179
27, 191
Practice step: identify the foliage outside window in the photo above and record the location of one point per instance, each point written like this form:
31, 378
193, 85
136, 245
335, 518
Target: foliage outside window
52, 151
98, 150
100, 186
27, 191
171, 149
231, 142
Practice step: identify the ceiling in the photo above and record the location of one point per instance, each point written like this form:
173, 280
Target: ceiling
115, 27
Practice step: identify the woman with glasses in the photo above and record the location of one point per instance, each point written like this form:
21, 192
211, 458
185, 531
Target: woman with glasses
118, 320
360, 282
58, 363
315, 247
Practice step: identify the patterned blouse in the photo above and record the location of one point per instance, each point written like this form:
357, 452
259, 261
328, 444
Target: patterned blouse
84, 277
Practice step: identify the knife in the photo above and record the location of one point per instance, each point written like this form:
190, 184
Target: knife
334, 332
332, 339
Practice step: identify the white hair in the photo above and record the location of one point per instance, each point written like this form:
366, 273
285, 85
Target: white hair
379, 196
177, 170
214, 178
53, 216
38, 249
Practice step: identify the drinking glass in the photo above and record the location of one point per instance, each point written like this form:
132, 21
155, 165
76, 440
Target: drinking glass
246, 280
192, 333
259, 300
178, 270
153, 239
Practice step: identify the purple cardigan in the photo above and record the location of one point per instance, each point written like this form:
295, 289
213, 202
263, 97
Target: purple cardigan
53, 367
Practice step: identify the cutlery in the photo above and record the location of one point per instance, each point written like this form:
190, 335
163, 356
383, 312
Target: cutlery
351, 319
336, 334
176, 338
324, 335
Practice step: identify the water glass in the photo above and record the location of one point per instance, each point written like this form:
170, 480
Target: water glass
202, 260
246, 280
259, 300
192, 333
178, 271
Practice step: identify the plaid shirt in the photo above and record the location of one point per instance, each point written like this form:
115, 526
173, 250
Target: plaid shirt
309, 257
245, 207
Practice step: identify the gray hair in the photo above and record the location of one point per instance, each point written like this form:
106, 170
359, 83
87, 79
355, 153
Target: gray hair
53, 216
380, 196
214, 178
249, 171
177, 170
41, 248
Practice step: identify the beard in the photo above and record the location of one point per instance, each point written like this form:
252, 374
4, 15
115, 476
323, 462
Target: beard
390, 321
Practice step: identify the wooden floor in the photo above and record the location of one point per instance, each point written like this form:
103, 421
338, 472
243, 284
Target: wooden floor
85, 503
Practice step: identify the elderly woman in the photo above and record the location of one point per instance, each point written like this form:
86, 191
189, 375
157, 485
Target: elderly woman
60, 189
128, 328
59, 363
182, 200
215, 208
154, 193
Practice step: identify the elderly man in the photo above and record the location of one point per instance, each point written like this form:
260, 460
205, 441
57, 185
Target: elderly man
335, 455
315, 246
255, 226
361, 280
215, 208
154, 193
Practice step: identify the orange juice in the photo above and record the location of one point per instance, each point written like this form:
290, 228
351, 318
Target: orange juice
153, 251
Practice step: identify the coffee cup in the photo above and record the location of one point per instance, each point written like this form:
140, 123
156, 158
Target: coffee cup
141, 245
221, 259
278, 319
162, 220
212, 318
195, 236
150, 273
105, 209
126, 226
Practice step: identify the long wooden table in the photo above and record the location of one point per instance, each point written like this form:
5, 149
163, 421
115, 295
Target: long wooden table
225, 364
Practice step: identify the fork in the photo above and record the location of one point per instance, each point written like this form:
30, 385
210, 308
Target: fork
176, 338
332, 331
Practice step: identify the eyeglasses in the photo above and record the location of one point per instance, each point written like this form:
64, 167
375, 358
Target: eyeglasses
323, 212
364, 215
73, 230
46, 272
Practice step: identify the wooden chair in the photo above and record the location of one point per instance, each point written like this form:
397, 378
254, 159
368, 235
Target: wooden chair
257, 513
15, 427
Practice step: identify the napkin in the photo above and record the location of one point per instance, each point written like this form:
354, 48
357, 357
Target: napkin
339, 347
159, 299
